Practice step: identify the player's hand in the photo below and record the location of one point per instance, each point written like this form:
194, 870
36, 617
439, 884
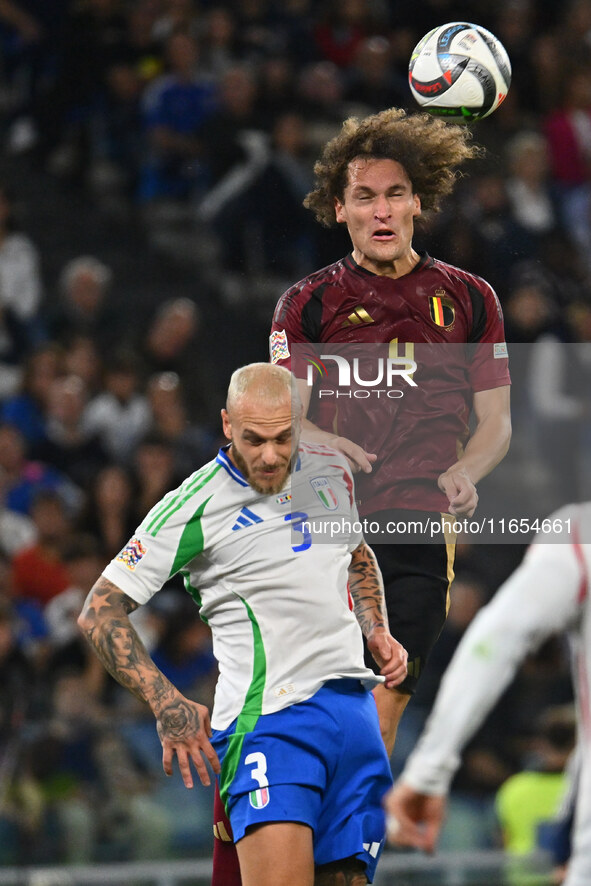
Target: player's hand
184, 729
460, 491
358, 458
389, 654
413, 819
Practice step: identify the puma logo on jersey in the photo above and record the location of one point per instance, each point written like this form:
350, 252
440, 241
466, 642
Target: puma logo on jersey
359, 317
246, 517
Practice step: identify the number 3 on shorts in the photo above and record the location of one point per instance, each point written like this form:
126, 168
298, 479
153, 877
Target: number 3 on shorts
259, 773
259, 798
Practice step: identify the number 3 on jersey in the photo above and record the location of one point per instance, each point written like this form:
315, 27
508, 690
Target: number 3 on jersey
299, 522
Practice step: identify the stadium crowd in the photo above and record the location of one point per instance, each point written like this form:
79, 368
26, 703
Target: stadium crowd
197, 123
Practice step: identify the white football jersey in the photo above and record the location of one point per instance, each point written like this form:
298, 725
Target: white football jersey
270, 586
549, 592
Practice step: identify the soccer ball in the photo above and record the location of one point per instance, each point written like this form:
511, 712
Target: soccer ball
459, 71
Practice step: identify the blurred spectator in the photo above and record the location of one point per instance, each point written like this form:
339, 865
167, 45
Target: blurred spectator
141, 49
372, 83
256, 25
110, 512
89, 41
247, 230
30, 627
534, 202
559, 379
529, 310
24, 478
20, 294
64, 765
17, 531
184, 653
192, 444
137, 61
568, 130
155, 472
502, 243
81, 358
176, 16
531, 797
84, 561
120, 414
171, 343
342, 26
276, 89
68, 445
39, 571
219, 41
84, 307
232, 144
320, 96
171, 336
27, 409
115, 167
175, 105
21, 801
514, 24
93, 785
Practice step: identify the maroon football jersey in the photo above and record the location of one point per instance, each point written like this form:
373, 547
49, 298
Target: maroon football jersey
449, 321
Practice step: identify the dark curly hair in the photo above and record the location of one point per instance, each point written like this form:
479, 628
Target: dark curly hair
427, 147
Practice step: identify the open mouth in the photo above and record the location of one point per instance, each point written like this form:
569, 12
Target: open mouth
383, 234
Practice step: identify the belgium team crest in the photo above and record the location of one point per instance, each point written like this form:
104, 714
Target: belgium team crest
442, 309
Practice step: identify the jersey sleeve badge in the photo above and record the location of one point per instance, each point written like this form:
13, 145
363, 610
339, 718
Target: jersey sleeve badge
132, 553
278, 346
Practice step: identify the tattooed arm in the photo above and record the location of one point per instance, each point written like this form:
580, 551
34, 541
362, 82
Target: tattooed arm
367, 591
183, 725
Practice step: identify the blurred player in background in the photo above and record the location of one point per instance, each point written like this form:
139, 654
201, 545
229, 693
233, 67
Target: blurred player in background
294, 733
548, 593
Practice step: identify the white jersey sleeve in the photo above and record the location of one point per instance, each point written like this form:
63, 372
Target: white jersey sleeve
543, 596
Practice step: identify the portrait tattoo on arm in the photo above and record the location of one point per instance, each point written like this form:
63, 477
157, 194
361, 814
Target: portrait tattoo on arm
108, 629
367, 589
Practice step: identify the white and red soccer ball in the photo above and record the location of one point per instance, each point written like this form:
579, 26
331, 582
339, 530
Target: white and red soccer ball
459, 71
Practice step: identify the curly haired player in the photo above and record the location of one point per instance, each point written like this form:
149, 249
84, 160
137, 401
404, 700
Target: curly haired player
416, 458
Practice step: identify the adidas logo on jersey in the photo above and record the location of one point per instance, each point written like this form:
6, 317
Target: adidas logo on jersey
359, 317
246, 517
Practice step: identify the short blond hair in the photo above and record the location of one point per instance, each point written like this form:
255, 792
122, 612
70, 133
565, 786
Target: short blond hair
264, 381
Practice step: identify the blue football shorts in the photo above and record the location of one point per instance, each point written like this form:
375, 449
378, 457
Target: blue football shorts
321, 762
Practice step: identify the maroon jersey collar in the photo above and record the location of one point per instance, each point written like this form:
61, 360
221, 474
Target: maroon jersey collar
350, 263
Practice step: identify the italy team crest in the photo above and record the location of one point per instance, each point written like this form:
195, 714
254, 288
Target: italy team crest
442, 309
259, 798
325, 492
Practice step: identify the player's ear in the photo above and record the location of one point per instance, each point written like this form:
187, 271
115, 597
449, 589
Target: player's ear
339, 211
226, 424
417, 209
